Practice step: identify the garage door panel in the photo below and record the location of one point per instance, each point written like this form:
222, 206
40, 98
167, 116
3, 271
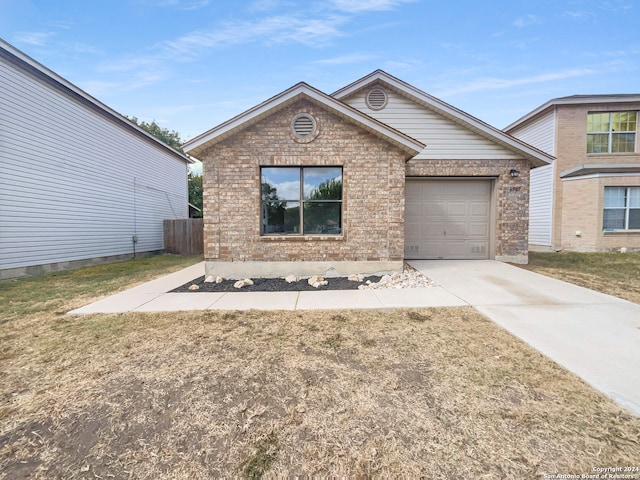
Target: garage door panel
478, 209
447, 219
456, 209
479, 229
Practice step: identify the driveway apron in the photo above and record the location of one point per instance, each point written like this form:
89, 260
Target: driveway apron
594, 335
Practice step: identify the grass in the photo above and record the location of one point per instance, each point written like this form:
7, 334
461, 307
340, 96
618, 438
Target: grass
616, 274
434, 393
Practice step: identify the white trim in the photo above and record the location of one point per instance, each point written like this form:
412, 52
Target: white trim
537, 157
600, 175
21, 60
197, 145
575, 100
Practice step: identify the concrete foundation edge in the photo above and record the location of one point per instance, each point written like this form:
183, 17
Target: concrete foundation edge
519, 259
34, 270
239, 270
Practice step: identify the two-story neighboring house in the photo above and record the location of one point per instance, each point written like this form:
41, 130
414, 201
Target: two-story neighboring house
589, 198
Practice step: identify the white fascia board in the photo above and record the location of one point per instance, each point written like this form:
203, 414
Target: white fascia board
70, 89
449, 111
576, 100
302, 89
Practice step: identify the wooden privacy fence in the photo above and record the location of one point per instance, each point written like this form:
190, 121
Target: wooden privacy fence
184, 236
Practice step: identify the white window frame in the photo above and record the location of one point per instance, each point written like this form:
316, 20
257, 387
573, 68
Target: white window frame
627, 209
611, 132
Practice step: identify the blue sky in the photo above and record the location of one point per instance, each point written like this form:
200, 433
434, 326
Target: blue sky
192, 64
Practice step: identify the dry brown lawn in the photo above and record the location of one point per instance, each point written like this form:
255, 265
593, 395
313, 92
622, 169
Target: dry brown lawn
432, 393
612, 273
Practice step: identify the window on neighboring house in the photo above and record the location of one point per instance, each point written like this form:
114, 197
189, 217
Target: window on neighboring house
301, 200
611, 132
621, 208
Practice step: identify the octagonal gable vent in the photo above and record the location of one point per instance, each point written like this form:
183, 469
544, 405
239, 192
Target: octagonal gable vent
376, 99
304, 125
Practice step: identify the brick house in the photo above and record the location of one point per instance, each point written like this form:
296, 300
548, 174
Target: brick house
588, 199
357, 181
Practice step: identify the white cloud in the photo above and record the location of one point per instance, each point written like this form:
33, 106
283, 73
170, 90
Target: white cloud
39, 39
346, 59
357, 6
277, 29
498, 83
526, 21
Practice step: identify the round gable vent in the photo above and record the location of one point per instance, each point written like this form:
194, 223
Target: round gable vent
376, 99
304, 128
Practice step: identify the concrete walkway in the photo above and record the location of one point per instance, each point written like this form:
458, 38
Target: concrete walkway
594, 335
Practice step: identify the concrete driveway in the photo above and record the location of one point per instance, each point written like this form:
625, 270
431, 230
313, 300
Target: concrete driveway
594, 335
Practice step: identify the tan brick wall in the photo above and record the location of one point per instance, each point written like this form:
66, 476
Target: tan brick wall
511, 216
571, 151
583, 211
373, 191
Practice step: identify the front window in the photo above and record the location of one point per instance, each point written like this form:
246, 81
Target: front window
621, 208
611, 132
301, 200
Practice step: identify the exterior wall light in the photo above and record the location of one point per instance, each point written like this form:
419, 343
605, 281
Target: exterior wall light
514, 173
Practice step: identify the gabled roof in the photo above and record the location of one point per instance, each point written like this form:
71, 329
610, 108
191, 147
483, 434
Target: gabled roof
577, 100
535, 156
31, 66
197, 145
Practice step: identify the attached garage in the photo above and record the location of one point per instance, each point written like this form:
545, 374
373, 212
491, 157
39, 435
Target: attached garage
448, 218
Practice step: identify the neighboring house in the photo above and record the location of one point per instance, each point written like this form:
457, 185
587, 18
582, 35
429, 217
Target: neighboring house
358, 181
78, 182
589, 198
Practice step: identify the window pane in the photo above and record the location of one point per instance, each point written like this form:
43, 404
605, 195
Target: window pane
323, 217
634, 197
597, 143
634, 219
598, 122
280, 183
623, 121
623, 142
280, 217
322, 183
614, 197
613, 219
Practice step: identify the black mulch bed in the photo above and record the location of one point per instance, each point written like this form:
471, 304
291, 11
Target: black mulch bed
272, 285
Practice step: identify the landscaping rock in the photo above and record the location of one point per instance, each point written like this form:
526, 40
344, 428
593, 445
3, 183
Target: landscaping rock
194, 287
356, 277
291, 279
209, 279
243, 283
317, 281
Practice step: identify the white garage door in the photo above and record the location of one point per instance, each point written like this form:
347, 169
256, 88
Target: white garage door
447, 219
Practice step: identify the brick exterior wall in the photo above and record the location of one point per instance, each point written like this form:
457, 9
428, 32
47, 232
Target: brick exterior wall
570, 214
511, 197
582, 210
373, 191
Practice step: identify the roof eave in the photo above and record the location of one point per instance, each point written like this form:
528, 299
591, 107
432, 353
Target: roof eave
574, 100
25, 62
537, 157
199, 144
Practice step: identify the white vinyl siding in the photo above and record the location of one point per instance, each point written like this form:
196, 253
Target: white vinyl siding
540, 133
75, 185
541, 206
444, 138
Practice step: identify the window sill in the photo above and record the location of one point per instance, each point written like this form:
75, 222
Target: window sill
301, 238
618, 232
613, 154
